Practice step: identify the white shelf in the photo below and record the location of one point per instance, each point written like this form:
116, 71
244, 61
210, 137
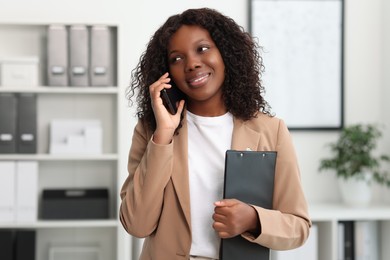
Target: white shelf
60, 90
27, 38
64, 224
338, 211
54, 157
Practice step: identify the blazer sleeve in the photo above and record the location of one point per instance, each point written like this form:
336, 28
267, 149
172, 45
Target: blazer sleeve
287, 225
142, 193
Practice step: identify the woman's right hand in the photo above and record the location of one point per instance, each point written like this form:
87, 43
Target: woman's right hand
166, 123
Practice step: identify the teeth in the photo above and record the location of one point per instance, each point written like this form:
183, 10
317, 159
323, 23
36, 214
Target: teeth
199, 79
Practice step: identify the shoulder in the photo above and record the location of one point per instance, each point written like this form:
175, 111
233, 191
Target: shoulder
266, 123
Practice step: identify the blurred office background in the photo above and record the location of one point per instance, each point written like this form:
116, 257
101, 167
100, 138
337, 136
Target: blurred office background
366, 94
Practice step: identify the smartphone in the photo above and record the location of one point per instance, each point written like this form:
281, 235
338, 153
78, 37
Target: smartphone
170, 97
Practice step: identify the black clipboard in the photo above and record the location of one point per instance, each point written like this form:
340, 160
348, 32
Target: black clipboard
249, 177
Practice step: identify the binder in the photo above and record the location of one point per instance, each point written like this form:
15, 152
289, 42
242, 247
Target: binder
25, 245
249, 177
8, 115
349, 239
26, 191
367, 240
79, 55
57, 55
101, 66
27, 123
7, 191
6, 242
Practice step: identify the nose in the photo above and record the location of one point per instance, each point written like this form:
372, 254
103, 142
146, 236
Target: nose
193, 62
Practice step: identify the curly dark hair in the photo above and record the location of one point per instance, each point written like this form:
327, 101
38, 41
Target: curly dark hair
242, 89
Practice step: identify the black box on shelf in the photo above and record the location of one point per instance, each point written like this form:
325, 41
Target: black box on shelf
75, 204
7, 244
25, 245
17, 244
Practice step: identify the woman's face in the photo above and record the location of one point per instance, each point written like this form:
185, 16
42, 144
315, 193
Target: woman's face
197, 68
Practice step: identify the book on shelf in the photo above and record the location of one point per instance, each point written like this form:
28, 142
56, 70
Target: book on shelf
358, 240
366, 240
347, 241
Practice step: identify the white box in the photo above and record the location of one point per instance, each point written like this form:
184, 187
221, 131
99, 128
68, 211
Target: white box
7, 191
26, 191
76, 136
19, 72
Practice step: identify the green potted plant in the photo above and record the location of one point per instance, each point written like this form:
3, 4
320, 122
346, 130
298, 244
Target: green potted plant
354, 162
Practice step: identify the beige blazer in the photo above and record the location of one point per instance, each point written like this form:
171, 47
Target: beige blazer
156, 201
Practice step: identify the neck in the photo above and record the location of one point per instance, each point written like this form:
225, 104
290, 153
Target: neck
207, 110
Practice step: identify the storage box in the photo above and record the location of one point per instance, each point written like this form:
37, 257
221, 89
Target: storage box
75, 204
20, 72
76, 136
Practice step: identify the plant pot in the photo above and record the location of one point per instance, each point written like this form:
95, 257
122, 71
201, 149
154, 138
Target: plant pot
356, 192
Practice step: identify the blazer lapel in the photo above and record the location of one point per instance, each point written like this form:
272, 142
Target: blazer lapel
180, 176
244, 138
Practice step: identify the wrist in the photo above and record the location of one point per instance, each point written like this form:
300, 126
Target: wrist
255, 227
163, 137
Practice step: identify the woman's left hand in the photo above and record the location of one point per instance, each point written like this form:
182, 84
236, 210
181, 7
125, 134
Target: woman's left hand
233, 217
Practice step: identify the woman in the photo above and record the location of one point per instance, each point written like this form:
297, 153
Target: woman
173, 194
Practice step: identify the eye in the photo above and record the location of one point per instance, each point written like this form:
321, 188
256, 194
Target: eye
203, 48
174, 59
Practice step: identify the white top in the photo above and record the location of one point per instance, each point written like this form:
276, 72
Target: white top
208, 140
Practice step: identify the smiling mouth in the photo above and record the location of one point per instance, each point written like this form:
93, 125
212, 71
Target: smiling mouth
199, 80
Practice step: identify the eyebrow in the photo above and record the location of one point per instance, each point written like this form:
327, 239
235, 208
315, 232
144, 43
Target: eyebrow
197, 42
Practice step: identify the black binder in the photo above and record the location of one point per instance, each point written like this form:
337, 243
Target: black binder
27, 123
8, 115
25, 245
6, 242
249, 177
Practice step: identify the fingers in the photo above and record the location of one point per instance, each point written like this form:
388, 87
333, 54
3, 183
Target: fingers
159, 85
180, 107
233, 217
223, 220
226, 203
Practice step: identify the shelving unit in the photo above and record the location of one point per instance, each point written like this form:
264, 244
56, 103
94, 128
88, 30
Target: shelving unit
327, 216
73, 170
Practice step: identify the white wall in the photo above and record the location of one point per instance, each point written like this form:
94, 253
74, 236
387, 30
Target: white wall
365, 92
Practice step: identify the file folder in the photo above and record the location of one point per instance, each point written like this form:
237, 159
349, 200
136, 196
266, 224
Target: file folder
101, 67
25, 245
8, 114
57, 55
6, 242
79, 55
26, 191
7, 191
249, 177
27, 123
